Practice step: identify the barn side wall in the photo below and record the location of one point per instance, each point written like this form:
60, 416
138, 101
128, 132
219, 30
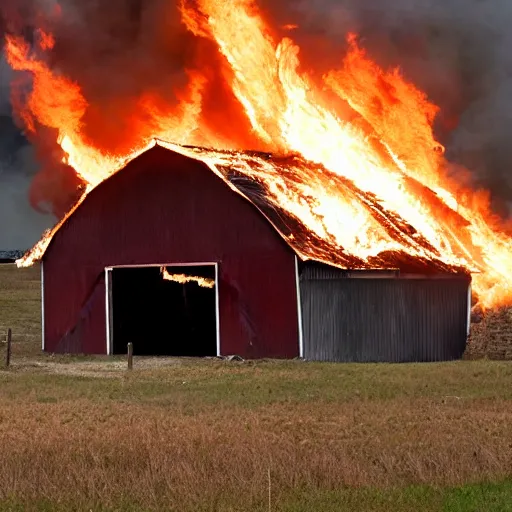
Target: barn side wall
382, 320
166, 208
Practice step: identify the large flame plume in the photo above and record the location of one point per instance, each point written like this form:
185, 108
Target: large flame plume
356, 158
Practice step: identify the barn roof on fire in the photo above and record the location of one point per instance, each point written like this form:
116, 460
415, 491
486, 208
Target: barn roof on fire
261, 179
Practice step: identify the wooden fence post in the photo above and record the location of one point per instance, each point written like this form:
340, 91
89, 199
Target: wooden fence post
130, 356
9, 343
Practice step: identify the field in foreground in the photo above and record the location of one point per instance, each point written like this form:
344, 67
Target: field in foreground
205, 435
208, 435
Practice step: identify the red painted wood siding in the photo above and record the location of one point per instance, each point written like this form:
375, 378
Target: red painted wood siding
166, 208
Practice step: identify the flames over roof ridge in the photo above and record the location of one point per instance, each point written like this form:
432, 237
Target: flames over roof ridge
253, 175
364, 182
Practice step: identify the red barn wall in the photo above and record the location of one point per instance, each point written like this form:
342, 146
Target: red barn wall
166, 208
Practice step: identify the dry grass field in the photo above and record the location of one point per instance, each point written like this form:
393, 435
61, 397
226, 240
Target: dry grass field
20, 307
208, 435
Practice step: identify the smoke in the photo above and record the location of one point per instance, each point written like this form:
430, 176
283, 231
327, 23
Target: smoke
21, 225
457, 51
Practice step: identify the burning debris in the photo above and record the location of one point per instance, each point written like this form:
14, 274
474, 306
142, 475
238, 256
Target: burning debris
356, 171
203, 282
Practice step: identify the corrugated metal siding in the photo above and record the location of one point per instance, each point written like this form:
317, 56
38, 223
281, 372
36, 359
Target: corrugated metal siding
392, 320
166, 208
319, 271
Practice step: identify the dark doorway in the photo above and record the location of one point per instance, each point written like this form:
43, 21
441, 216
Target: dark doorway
164, 310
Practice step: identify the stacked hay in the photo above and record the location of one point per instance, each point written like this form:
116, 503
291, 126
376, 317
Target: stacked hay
491, 335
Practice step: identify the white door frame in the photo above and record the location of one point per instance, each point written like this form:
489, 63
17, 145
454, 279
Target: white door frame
108, 295
299, 308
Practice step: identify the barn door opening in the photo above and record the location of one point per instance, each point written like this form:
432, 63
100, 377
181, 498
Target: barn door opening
163, 310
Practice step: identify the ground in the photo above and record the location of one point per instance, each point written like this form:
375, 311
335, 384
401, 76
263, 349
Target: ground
209, 435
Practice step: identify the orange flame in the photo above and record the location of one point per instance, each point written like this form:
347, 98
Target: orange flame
366, 184
46, 41
203, 282
54, 101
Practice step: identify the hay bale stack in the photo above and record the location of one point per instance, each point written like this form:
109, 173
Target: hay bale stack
491, 335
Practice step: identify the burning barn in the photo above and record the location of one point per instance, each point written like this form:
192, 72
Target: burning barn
353, 241
183, 253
